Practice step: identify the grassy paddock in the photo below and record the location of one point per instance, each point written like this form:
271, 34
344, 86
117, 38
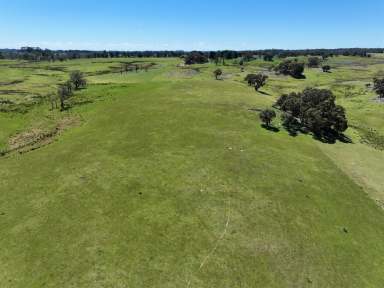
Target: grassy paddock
169, 181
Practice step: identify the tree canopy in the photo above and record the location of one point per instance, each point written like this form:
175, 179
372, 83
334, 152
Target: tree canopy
267, 116
293, 68
78, 80
314, 62
314, 110
196, 58
256, 80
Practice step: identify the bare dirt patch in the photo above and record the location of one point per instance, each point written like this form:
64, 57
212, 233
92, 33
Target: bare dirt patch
36, 137
184, 73
13, 82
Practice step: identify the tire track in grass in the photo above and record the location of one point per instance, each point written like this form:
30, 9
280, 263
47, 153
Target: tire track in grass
218, 241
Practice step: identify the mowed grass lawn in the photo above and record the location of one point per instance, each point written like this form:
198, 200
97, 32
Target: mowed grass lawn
171, 182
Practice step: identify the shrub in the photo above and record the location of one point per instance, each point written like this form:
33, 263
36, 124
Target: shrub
217, 73
266, 116
326, 68
78, 80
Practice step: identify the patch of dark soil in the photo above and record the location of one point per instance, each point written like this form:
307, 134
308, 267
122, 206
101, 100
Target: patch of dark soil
101, 72
55, 68
36, 138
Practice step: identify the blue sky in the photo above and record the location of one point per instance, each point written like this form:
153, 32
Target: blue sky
190, 25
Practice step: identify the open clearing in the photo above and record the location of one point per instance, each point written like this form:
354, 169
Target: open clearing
168, 180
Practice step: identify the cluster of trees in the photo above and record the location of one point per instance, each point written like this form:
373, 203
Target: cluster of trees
256, 80
196, 58
313, 110
290, 67
314, 62
324, 53
378, 86
65, 91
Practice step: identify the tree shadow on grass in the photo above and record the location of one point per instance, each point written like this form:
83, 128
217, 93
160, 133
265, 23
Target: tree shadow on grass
331, 137
264, 93
299, 76
270, 128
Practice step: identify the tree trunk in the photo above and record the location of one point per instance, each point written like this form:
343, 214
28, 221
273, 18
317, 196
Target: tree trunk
62, 106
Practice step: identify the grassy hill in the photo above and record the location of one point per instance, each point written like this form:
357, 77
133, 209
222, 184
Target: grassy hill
166, 179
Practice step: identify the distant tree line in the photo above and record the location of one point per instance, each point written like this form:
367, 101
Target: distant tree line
38, 54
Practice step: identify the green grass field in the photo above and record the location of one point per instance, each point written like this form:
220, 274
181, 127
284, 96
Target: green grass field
168, 180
